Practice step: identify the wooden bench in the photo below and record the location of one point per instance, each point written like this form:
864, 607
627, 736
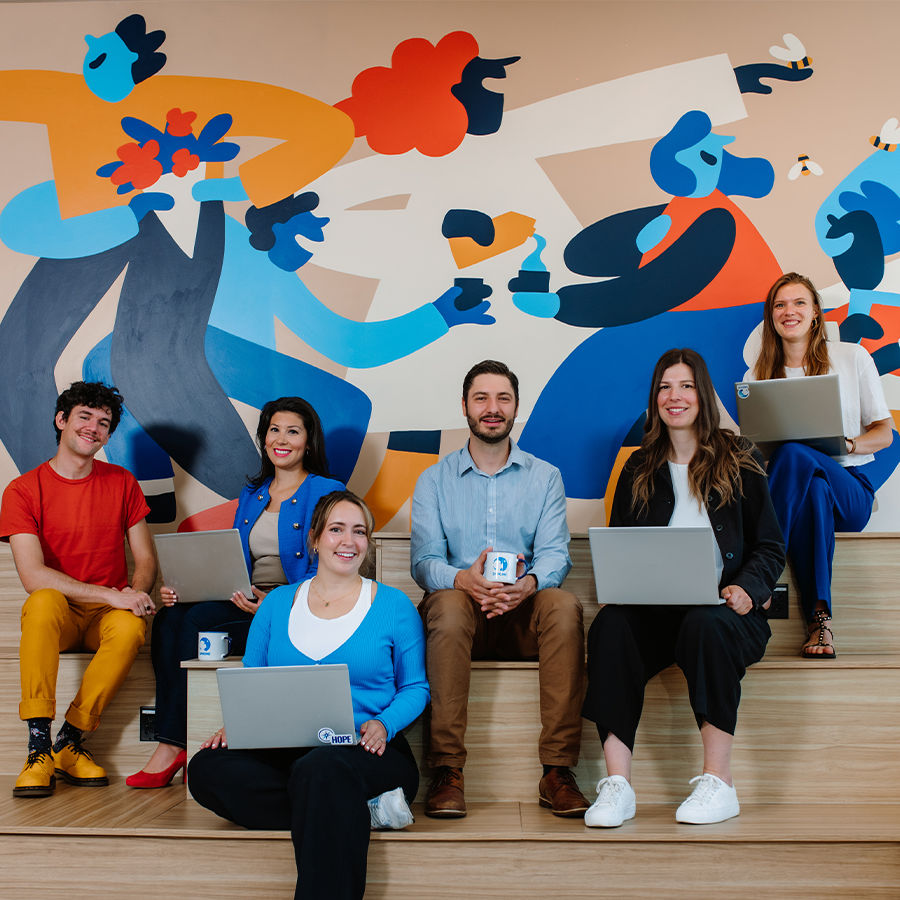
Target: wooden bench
805, 730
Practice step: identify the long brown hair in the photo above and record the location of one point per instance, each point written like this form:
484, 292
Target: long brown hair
720, 455
770, 362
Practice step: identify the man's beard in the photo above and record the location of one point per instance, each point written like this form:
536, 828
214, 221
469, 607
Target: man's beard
489, 437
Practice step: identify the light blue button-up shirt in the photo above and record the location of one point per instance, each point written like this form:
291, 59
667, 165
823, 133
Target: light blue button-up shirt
458, 511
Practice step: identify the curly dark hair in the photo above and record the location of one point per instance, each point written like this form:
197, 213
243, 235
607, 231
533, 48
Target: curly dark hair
94, 395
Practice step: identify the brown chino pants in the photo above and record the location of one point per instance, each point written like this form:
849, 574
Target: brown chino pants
548, 626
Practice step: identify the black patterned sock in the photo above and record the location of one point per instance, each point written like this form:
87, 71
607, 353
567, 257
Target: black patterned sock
68, 734
38, 734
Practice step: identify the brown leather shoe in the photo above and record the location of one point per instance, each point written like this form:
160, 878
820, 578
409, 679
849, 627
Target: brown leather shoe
445, 799
558, 791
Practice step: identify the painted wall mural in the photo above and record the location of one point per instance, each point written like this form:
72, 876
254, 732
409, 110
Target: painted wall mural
213, 204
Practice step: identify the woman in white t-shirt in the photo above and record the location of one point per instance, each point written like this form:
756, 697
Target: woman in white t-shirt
814, 494
687, 472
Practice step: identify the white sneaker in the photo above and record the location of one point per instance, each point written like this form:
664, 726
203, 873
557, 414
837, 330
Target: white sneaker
614, 804
390, 810
711, 801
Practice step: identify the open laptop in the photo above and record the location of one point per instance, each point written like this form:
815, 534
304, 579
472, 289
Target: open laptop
203, 565
806, 409
655, 565
287, 706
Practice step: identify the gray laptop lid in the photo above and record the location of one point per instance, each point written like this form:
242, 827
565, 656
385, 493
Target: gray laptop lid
287, 706
655, 565
806, 409
203, 565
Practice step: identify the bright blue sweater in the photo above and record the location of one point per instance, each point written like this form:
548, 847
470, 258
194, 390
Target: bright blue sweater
385, 655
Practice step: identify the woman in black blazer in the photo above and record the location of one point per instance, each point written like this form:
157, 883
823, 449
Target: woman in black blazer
687, 472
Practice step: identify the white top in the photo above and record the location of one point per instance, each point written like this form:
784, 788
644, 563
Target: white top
862, 397
316, 637
689, 512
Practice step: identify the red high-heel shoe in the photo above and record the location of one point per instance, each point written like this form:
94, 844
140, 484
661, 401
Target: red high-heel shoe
144, 779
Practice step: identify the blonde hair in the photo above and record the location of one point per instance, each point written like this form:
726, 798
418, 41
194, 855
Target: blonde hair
770, 362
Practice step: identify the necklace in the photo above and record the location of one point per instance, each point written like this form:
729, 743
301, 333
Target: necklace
314, 585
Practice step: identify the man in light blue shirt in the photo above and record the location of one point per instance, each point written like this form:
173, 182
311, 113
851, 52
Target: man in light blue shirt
490, 495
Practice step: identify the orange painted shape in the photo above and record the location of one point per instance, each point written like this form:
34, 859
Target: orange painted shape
618, 465
395, 482
221, 516
511, 229
748, 272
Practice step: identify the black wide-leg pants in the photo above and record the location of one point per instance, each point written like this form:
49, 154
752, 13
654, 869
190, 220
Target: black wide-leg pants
320, 795
628, 645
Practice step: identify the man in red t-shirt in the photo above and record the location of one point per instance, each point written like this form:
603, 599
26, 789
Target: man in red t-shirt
65, 521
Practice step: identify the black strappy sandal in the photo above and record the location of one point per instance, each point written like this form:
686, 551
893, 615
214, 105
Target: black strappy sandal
820, 617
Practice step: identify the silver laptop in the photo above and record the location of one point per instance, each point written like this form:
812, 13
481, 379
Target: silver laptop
203, 565
655, 565
287, 706
806, 409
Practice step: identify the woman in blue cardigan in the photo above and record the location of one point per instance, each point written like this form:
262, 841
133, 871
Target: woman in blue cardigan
273, 517
322, 794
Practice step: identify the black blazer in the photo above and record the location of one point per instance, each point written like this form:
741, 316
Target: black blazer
746, 530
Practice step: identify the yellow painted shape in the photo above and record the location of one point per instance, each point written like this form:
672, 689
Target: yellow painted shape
511, 229
621, 459
395, 482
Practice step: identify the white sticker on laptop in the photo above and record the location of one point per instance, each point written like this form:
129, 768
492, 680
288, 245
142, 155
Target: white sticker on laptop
327, 736
743, 390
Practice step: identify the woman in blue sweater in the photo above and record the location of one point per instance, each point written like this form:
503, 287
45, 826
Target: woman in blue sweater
273, 517
322, 794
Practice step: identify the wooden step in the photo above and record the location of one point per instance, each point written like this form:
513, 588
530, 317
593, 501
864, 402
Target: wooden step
160, 843
866, 591
799, 722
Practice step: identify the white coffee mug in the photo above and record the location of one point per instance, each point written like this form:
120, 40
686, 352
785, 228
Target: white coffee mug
501, 566
213, 644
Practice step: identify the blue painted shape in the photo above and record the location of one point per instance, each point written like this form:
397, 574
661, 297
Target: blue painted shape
252, 292
219, 189
469, 223
861, 265
689, 162
858, 326
541, 304
882, 204
749, 77
608, 247
255, 375
652, 233
415, 441
878, 167
677, 275
31, 223
483, 107
107, 67
533, 262
618, 363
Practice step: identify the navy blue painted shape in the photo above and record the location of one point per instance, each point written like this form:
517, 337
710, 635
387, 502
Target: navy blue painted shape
49, 307
415, 441
157, 354
749, 76
483, 107
470, 223
862, 264
858, 326
675, 276
608, 247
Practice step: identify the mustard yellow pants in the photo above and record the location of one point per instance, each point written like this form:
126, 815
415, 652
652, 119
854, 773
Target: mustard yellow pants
52, 625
